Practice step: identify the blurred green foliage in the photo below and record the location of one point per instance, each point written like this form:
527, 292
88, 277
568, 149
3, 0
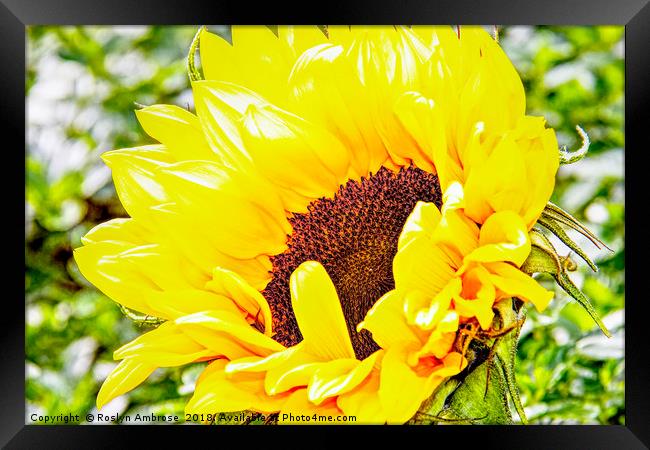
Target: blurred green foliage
567, 370
83, 84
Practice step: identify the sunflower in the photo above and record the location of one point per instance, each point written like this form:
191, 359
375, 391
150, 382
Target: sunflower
340, 206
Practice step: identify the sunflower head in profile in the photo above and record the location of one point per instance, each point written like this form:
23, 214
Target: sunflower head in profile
347, 210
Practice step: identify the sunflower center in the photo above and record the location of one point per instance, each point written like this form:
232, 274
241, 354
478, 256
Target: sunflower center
354, 236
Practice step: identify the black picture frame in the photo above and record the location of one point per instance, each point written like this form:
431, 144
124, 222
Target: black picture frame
633, 14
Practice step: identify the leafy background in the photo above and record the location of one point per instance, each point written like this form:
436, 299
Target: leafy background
82, 86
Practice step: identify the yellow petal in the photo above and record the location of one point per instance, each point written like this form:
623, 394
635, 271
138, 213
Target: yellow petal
513, 282
220, 107
128, 374
429, 317
452, 364
218, 392
178, 129
263, 61
221, 345
503, 237
283, 379
340, 34
422, 221
124, 230
218, 58
162, 266
295, 371
257, 59
291, 356
302, 37
284, 370
197, 244
497, 184
166, 346
451, 231
230, 325
338, 377
403, 387
493, 85
303, 160
456, 233
481, 308
177, 303
318, 311
446, 73
390, 61
386, 321
99, 265
425, 123
134, 177
363, 402
539, 146
136, 276
231, 285
440, 344
327, 91
423, 265
241, 215
401, 390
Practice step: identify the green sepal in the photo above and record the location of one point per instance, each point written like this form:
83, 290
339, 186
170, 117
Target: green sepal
557, 230
567, 157
543, 258
565, 282
139, 319
192, 71
557, 214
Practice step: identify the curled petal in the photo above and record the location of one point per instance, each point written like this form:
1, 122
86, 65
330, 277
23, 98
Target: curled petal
386, 321
503, 237
231, 285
